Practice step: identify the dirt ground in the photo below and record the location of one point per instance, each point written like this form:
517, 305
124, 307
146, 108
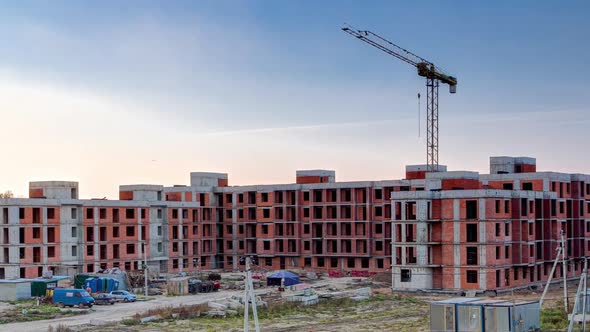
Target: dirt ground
384, 311
381, 312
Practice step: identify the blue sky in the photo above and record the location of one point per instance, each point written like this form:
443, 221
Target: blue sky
113, 92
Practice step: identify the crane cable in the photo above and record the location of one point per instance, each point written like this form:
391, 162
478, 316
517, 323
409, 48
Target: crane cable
418, 114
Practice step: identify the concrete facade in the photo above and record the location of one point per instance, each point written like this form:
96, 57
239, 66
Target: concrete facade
442, 230
490, 232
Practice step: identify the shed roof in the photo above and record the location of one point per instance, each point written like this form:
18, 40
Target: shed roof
14, 281
456, 300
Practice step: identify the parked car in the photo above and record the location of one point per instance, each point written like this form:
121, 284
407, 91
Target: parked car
197, 286
72, 297
104, 299
124, 296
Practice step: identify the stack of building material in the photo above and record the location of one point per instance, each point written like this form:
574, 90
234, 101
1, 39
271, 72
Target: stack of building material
177, 286
304, 294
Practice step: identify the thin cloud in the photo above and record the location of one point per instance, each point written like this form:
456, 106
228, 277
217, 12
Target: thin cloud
295, 128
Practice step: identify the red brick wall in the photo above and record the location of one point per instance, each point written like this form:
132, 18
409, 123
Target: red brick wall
36, 193
413, 175
126, 195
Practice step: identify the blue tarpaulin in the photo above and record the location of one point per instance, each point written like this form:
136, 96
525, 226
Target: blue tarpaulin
275, 278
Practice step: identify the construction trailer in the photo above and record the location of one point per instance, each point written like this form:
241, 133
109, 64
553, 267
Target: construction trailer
15, 289
484, 315
39, 286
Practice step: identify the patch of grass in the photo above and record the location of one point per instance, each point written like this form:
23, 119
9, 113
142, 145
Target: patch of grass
380, 312
30, 312
130, 322
553, 319
23, 302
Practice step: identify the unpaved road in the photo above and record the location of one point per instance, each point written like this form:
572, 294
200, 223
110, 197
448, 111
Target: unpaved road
120, 311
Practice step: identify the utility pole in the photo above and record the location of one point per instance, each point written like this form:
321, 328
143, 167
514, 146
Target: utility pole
585, 296
145, 269
564, 254
392, 262
579, 294
557, 257
249, 296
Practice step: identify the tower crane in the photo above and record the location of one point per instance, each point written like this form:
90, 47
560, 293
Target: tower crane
434, 76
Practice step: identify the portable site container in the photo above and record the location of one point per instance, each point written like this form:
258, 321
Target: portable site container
471, 316
484, 315
39, 286
443, 314
17, 289
525, 316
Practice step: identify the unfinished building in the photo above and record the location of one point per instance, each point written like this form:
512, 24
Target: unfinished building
439, 230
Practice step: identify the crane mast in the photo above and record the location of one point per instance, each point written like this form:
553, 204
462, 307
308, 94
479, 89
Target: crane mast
425, 69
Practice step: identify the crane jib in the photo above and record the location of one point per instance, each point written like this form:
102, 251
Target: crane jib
426, 69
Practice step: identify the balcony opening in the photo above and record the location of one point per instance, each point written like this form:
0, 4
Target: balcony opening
471, 209
103, 234
278, 197
36, 255
36, 215
51, 234
345, 195
103, 251
471, 232
317, 196
317, 212
471, 255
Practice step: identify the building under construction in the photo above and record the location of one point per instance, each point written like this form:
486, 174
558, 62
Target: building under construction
439, 230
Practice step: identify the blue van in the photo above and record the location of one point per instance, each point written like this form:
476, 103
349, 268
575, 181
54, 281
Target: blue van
72, 297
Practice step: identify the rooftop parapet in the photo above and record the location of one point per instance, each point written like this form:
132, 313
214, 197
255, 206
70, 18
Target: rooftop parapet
315, 176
